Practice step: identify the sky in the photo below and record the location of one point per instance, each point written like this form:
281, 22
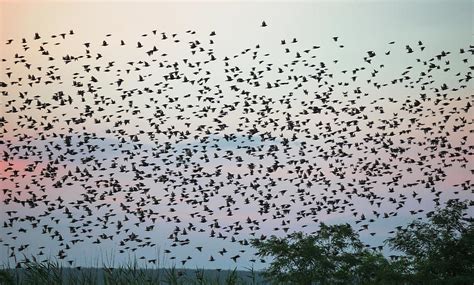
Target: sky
317, 116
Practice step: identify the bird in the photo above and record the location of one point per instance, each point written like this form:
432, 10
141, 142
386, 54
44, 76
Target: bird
175, 137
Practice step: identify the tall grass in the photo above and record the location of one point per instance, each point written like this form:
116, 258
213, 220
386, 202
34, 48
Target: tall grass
6, 277
52, 272
43, 273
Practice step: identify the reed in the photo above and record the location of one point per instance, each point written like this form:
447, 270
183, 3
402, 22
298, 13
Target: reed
53, 272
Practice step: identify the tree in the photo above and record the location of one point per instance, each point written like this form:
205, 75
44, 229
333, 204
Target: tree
440, 251
333, 255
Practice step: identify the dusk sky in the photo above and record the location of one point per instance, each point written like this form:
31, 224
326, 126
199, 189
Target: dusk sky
179, 129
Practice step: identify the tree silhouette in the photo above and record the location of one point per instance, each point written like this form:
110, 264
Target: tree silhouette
440, 250
333, 255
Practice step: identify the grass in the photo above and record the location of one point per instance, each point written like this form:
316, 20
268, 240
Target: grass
52, 272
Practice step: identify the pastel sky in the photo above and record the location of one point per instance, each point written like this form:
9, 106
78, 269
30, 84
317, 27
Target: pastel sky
157, 166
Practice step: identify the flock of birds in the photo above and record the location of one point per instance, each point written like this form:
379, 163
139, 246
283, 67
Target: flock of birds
114, 141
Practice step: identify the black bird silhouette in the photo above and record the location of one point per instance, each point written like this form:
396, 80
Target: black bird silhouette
99, 148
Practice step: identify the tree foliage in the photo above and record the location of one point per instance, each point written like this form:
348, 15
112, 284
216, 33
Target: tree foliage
333, 255
439, 251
